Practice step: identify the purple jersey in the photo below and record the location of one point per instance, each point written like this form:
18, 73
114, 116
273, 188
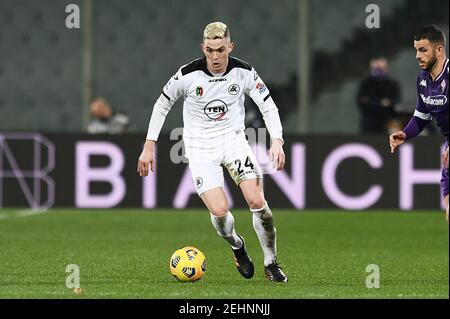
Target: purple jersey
432, 99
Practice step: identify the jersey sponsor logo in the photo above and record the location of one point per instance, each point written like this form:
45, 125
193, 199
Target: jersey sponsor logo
234, 89
217, 80
436, 100
423, 83
261, 88
199, 91
216, 110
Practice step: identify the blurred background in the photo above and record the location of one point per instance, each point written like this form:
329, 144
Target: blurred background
329, 72
75, 103
126, 51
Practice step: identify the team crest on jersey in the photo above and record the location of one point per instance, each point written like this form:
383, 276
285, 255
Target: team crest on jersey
261, 88
443, 86
199, 91
216, 110
234, 89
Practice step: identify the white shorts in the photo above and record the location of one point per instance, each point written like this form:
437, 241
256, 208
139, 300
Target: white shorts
235, 154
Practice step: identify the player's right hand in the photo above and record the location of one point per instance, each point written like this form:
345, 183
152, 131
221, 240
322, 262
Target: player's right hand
147, 159
396, 139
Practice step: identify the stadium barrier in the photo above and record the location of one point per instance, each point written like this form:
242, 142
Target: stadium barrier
99, 171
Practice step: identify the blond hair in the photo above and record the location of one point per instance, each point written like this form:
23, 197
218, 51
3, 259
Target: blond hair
216, 30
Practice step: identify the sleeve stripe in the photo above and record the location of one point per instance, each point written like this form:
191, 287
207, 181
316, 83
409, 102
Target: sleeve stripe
165, 95
423, 116
267, 96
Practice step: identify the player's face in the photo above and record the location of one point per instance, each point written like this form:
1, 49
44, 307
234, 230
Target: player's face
217, 52
425, 54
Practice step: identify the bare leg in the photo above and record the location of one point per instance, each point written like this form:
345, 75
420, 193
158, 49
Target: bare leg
446, 207
222, 219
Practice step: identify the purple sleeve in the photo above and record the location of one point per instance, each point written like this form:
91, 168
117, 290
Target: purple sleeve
414, 127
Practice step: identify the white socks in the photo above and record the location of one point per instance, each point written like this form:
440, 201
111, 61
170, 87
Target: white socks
264, 228
225, 228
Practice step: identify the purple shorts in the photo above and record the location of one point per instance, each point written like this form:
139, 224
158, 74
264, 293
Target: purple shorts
444, 181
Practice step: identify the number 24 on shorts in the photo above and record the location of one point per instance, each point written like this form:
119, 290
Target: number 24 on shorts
248, 163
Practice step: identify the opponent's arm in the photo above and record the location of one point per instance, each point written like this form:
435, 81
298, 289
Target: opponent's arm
445, 158
412, 129
415, 125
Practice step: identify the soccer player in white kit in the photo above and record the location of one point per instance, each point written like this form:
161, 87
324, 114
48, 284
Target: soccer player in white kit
214, 88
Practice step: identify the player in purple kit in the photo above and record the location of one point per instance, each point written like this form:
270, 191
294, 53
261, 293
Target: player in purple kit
432, 95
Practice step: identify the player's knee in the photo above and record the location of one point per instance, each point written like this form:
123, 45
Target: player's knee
257, 202
219, 210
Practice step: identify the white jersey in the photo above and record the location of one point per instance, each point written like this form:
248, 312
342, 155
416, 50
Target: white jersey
214, 105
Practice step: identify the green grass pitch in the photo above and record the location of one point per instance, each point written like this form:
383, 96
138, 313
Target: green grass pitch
125, 254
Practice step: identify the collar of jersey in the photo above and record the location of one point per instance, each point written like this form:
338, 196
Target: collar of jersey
440, 74
443, 70
205, 68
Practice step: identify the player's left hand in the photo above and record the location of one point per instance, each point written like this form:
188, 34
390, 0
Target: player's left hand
445, 158
276, 154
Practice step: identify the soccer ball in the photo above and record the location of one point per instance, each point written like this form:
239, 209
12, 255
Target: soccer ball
188, 264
